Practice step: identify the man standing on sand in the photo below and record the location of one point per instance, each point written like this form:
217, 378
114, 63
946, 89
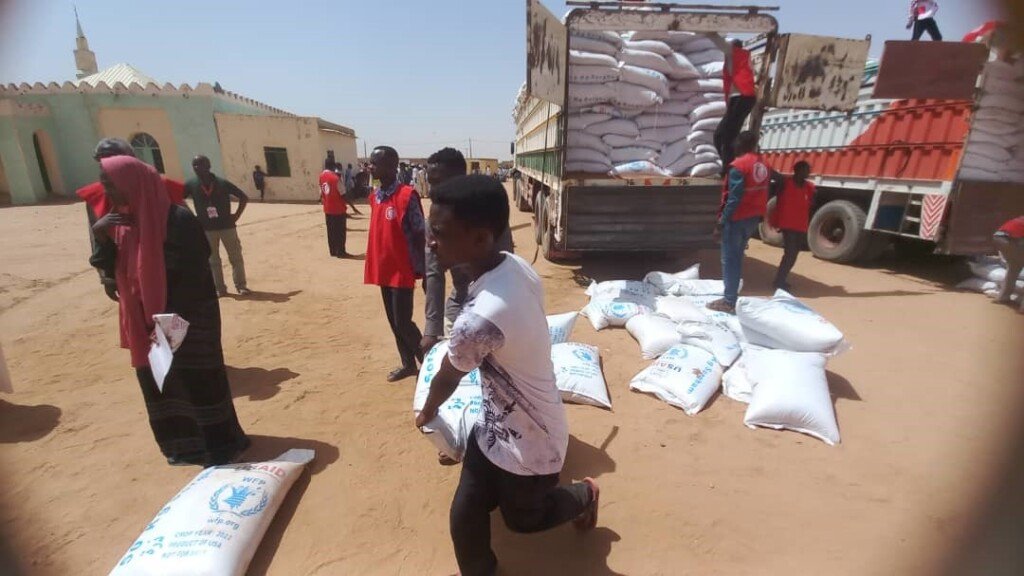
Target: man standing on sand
442, 166
922, 19
211, 201
259, 179
516, 450
395, 250
744, 201
350, 181
97, 205
1009, 240
792, 216
335, 209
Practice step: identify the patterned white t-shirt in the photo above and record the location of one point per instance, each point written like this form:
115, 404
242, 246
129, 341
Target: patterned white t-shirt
503, 331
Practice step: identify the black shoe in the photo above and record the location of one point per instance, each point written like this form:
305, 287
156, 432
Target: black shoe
402, 373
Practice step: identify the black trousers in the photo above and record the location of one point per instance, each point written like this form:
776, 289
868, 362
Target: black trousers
336, 234
736, 113
528, 504
792, 241
926, 25
398, 307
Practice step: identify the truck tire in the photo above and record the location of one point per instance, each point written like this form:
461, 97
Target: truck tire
548, 249
517, 192
538, 211
769, 235
837, 232
910, 249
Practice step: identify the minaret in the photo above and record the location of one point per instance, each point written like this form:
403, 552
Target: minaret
85, 59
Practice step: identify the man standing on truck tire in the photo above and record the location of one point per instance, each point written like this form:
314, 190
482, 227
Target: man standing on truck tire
1009, 240
740, 97
922, 19
744, 202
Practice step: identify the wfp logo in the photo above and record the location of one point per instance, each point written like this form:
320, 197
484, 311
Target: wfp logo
621, 310
583, 354
239, 499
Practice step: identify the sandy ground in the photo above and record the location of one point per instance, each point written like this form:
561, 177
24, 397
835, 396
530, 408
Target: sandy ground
924, 402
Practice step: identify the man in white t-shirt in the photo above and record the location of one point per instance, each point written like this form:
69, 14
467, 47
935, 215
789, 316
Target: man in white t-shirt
517, 447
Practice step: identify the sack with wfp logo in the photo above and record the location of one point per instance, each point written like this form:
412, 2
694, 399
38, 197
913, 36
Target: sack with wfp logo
560, 326
665, 283
685, 377
450, 429
578, 374
603, 311
213, 526
655, 334
790, 391
616, 288
712, 337
785, 323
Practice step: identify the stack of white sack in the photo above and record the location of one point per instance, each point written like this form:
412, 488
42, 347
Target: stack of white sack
989, 277
995, 147
643, 104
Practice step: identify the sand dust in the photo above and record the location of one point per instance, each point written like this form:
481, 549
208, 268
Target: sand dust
923, 402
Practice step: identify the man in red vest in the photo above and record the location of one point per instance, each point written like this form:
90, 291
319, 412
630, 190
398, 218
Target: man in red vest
740, 96
395, 252
96, 205
744, 201
335, 209
1009, 239
792, 216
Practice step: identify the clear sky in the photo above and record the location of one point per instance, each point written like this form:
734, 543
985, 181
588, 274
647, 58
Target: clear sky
415, 74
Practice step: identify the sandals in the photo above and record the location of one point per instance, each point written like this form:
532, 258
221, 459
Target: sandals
588, 519
402, 373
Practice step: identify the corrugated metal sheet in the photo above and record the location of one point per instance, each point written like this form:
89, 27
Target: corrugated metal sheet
905, 139
640, 218
124, 73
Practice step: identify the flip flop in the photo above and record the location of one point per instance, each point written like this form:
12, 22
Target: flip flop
588, 519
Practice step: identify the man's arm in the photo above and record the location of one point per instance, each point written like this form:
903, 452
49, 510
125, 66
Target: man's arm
243, 199
414, 227
343, 192
736, 190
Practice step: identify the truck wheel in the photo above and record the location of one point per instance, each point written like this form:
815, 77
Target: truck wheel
837, 232
548, 249
521, 203
769, 235
538, 212
909, 249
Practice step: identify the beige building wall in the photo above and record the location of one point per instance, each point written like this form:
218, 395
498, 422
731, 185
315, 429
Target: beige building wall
243, 138
344, 147
125, 123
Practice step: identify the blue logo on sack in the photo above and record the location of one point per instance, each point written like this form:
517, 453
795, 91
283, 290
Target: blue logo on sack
239, 499
795, 307
621, 310
583, 354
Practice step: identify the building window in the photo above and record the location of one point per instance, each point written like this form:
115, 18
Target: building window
277, 162
148, 150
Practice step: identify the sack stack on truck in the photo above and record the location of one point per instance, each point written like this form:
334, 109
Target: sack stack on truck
995, 147
644, 103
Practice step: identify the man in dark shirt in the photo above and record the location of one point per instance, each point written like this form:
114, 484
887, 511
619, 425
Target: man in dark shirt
211, 200
259, 179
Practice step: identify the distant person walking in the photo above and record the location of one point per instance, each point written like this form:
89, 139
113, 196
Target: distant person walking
335, 209
792, 217
395, 255
211, 200
97, 206
1009, 240
259, 179
350, 180
922, 19
159, 256
744, 200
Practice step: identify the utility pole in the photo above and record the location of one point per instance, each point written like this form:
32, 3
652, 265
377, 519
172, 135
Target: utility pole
364, 148
470, 147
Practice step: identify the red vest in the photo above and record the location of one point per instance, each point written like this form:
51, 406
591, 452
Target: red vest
756, 177
742, 75
1014, 228
793, 207
388, 262
333, 203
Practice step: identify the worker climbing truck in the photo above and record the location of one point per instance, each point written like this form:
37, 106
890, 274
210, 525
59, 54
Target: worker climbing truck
615, 123
930, 159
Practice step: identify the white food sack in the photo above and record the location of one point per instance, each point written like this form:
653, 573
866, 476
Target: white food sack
712, 337
604, 312
593, 74
588, 155
601, 35
560, 326
667, 134
449, 430
699, 43
682, 68
674, 106
629, 95
705, 56
650, 79
213, 526
679, 309
632, 154
638, 169
685, 377
706, 169
581, 44
645, 59
655, 46
790, 392
698, 137
588, 167
620, 126
655, 334
681, 166
577, 58
581, 121
785, 322
713, 70
616, 141
581, 139
709, 110
735, 384
708, 124
578, 374
581, 95
674, 151
665, 283
615, 288
655, 120
697, 288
